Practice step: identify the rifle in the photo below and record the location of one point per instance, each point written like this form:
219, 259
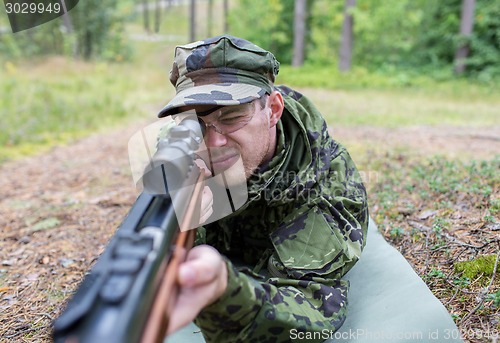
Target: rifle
127, 295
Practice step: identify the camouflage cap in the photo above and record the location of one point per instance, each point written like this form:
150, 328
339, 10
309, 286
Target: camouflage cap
220, 71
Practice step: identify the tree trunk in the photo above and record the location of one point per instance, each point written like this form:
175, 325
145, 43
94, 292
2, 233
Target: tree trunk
466, 26
210, 17
226, 14
158, 15
87, 45
145, 13
346, 43
299, 32
192, 21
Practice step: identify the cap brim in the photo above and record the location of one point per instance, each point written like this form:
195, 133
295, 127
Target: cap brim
225, 94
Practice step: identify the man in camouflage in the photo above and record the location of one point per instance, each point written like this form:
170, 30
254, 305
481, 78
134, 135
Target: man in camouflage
275, 264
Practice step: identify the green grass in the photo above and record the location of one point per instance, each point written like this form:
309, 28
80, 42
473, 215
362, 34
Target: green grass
370, 98
437, 177
54, 100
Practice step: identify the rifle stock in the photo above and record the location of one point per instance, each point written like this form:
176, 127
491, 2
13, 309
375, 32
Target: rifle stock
128, 294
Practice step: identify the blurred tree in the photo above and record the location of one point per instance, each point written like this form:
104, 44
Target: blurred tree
192, 21
92, 29
158, 9
226, 15
439, 37
466, 26
484, 59
95, 23
210, 18
299, 28
40, 40
269, 26
347, 37
324, 28
145, 15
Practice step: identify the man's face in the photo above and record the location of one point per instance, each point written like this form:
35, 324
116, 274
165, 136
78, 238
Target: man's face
234, 131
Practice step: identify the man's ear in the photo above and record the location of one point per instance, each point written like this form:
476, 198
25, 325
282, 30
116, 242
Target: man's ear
276, 105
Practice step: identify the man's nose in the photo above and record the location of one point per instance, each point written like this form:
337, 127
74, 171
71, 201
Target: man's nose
214, 138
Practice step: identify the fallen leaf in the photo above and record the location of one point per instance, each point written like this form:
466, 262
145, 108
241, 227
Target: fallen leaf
46, 224
426, 214
66, 262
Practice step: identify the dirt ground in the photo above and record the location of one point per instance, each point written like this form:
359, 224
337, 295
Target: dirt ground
58, 210
464, 143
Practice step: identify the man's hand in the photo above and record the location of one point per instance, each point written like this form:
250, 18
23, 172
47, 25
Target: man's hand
202, 280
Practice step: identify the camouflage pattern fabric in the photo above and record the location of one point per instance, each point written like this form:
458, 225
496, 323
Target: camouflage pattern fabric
287, 248
222, 70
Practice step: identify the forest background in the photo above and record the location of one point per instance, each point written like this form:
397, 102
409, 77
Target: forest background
411, 91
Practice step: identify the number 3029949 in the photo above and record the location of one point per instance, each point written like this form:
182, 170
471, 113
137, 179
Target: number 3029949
25, 8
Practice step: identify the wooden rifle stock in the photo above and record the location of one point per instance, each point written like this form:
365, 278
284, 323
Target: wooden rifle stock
166, 298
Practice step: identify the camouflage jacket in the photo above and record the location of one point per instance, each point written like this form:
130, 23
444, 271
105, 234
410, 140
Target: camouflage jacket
287, 248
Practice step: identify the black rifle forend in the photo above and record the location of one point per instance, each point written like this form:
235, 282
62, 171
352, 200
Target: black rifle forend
113, 302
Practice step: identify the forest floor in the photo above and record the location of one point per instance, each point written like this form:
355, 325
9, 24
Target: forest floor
58, 211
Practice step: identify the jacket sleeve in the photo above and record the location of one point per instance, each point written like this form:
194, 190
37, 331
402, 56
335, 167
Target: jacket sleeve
304, 297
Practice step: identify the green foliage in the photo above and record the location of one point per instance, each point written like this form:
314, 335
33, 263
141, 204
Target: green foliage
436, 42
495, 298
42, 40
482, 266
461, 281
325, 25
440, 37
97, 31
385, 31
263, 25
494, 206
397, 232
269, 26
439, 224
98, 28
485, 43
392, 37
436, 273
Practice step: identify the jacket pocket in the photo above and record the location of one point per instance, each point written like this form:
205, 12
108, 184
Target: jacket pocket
307, 245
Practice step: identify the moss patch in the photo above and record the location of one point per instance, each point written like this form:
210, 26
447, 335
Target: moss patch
482, 265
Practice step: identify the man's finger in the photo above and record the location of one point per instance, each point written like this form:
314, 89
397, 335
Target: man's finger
202, 266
